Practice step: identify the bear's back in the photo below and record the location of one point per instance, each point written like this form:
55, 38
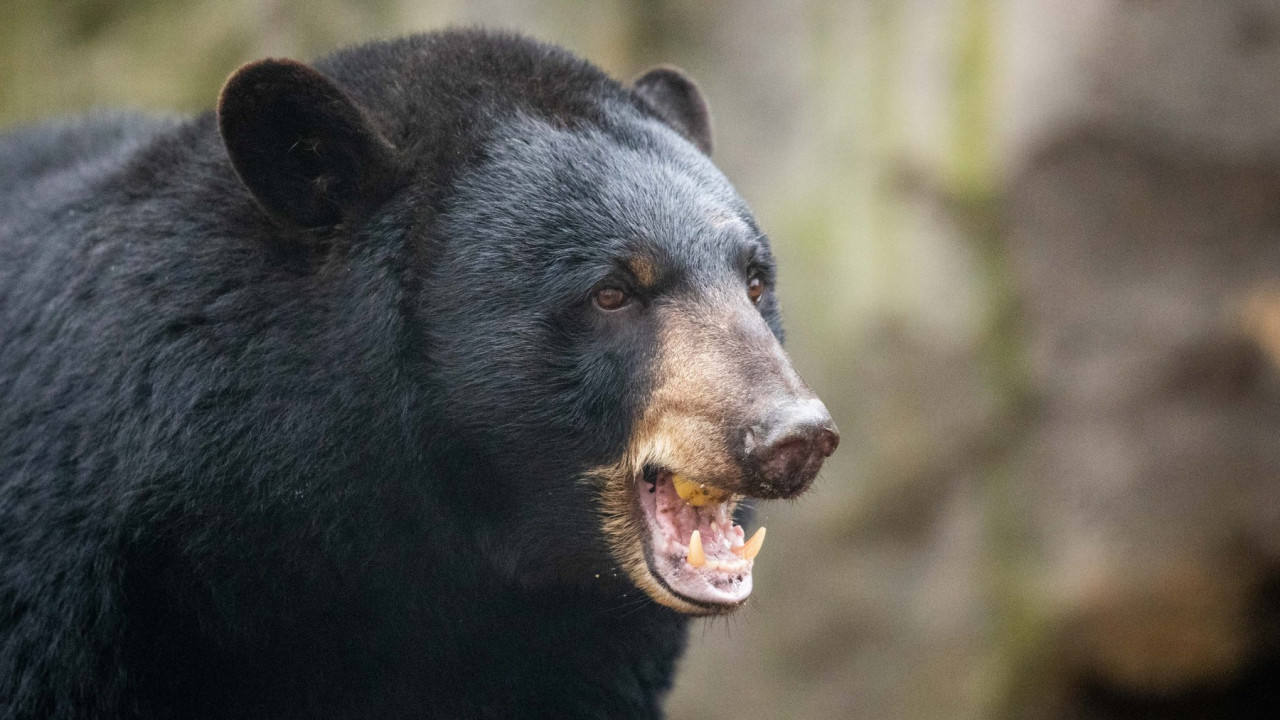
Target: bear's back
69, 152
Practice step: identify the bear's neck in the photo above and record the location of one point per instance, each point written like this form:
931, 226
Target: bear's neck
553, 654
571, 657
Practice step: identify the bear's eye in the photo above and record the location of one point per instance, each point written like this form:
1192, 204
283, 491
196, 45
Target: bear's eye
611, 298
755, 288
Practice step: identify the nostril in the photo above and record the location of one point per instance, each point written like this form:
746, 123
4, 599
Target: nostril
828, 441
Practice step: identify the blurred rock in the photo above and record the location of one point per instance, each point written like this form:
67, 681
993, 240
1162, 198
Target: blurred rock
1144, 227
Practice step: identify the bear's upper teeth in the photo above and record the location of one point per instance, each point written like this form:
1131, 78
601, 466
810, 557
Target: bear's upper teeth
696, 494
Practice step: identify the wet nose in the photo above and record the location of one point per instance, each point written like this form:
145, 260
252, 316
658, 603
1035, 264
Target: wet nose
789, 448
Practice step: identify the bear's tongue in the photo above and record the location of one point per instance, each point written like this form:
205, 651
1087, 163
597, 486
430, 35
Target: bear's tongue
697, 550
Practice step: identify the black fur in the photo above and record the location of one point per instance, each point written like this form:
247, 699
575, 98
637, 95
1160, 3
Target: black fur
325, 460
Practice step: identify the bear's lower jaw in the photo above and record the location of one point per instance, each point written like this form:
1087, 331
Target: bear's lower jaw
694, 552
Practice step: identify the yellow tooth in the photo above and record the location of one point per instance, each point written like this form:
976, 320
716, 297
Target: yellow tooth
752, 547
696, 494
697, 558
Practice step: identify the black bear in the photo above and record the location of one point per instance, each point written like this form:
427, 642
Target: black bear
423, 381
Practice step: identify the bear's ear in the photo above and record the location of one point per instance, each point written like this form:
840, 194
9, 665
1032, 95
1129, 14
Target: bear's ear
675, 97
304, 149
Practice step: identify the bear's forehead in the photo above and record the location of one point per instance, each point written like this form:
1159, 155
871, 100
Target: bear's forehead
584, 193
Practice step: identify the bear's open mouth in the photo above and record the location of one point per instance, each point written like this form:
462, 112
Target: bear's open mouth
693, 547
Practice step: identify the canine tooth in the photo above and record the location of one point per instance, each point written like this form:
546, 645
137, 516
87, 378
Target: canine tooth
697, 558
752, 548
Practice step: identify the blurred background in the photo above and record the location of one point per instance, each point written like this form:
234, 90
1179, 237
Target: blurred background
1030, 258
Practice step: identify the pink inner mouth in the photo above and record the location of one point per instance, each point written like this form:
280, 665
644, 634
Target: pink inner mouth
724, 579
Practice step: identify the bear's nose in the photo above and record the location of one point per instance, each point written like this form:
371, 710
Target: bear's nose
787, 451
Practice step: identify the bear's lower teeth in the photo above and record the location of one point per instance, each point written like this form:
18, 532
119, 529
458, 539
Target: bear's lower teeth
751, 548
696, 558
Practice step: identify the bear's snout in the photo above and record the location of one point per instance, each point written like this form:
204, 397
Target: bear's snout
786, 451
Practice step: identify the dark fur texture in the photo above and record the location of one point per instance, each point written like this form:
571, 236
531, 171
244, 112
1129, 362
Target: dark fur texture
301, 455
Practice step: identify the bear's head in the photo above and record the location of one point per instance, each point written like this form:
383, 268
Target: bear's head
595, 330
